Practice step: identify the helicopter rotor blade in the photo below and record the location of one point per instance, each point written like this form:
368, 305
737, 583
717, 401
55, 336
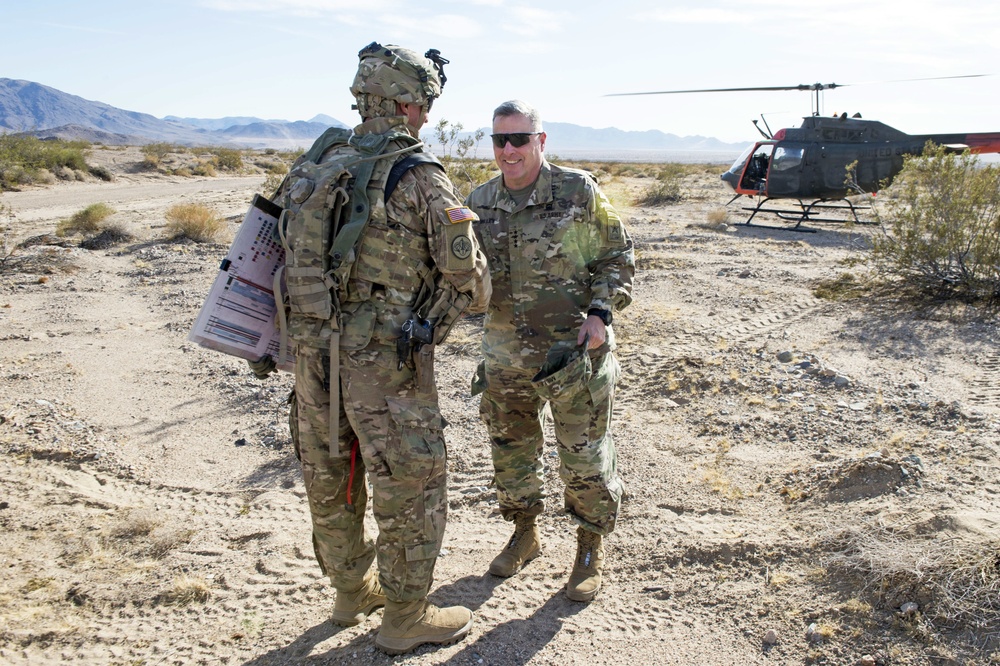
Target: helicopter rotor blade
929, 78
803, 86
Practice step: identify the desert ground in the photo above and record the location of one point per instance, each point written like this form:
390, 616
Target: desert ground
809, 481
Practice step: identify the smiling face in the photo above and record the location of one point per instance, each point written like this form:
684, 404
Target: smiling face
519, 166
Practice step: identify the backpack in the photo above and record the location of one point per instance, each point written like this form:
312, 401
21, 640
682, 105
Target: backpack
326, 207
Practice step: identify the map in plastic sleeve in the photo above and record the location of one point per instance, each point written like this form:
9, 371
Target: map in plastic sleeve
238, 316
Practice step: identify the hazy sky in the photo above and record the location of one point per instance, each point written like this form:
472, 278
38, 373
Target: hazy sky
293, 59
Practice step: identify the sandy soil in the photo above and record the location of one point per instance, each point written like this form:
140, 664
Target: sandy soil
798, 470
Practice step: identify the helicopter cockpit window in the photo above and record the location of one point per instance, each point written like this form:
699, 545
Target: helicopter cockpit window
786, 158
741, 160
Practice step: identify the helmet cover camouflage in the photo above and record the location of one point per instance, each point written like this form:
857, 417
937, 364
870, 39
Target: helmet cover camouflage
394, 73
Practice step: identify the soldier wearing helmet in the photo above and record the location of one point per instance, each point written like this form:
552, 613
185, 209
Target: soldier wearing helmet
416, 260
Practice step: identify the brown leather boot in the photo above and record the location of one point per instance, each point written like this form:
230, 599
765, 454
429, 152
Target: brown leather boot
585, 579
524, 546
351, 608
405, 625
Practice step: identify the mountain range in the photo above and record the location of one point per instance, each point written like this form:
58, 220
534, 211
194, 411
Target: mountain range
33, 108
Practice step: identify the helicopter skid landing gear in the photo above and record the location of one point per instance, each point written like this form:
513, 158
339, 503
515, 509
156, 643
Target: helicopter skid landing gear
817, 211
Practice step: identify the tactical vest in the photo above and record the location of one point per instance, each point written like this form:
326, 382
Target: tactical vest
334, 214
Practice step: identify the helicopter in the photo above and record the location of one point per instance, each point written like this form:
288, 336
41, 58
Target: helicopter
812, 164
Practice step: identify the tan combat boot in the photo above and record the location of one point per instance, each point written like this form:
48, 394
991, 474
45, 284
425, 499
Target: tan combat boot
405, 625
585, 579
351, 608
523, 547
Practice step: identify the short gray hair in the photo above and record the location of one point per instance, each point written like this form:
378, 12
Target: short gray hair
516, 107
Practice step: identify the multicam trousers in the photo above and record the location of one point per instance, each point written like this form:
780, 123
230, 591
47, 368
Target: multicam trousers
400, 432
512, 411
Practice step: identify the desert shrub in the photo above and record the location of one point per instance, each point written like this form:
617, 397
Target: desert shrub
87, 221
660, 192
25, 159
204, 169
194, 221
843, 287
228, 159
271, 183
110, 235
155, 152
188, 590
7, 245
940, 235
956, 582
101, 172
272, 166
468, 174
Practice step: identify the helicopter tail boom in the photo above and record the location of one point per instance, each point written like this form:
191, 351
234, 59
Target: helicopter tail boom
983, 143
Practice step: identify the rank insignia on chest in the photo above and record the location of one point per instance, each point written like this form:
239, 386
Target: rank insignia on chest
460, 214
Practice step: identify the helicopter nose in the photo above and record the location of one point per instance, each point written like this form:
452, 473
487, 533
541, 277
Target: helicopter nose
730, 179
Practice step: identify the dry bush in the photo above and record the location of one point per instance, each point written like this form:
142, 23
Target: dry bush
112, 234
87, 221
271, 184
194, 221
955, 582
155, 152
666, 189
841, 288
717, 216
205, 169
134, 524
188, 590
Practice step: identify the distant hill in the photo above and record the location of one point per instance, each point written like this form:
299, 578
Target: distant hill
564, 136
229, 122
34, 108
37, 109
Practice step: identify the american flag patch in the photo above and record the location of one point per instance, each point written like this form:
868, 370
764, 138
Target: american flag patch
460, 214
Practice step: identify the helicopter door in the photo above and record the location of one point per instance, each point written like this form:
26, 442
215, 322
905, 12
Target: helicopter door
754, 180
786, 169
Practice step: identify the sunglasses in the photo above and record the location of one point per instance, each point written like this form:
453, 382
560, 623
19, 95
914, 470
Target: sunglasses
517, 139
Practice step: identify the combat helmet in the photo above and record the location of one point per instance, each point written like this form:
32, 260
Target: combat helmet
389, 74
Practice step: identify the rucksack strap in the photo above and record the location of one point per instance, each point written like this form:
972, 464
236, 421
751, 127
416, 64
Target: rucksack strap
404, 165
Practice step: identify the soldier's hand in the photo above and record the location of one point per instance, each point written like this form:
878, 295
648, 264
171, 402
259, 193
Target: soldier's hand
263, 366
594, 327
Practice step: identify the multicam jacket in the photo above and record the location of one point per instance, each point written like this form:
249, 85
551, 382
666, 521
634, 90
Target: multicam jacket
420, 236
564, 252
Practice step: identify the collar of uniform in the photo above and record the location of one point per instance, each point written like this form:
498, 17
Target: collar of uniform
384, 125
541, 194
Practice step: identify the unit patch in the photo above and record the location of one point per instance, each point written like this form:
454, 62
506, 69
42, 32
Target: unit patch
461, 246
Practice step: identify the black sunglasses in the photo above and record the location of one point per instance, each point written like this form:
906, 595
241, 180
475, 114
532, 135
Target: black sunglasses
516, 139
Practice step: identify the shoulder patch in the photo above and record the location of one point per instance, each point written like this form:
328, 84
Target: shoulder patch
458, 214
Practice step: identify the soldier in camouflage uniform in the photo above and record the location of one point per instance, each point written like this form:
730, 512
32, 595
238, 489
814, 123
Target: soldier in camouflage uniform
389, 422
561, 262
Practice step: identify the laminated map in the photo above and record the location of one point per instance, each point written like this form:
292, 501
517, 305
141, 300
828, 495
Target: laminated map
238, 316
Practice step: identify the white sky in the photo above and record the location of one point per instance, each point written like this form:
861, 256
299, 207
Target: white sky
293, 59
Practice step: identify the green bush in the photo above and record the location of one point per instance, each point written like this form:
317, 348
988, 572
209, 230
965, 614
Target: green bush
228, 159
87, 221
24, 158
940, 234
